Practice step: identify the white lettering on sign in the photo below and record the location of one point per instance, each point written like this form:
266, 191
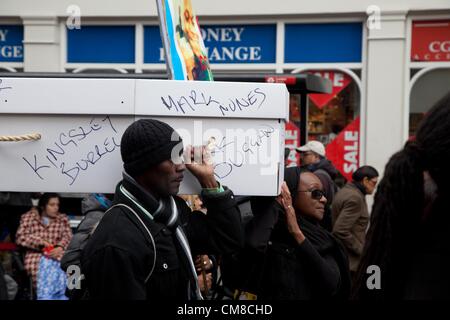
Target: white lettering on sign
255, 53
225, 34
11, 51
237, 33
228, 53
214, 55
226, 37
234, 54
242, 53
434, 57
350, 151
291, 135
3, 33
437, 46
162, 55
8, 51
338, 79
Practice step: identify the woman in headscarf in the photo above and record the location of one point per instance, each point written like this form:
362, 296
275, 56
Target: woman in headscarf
301, 259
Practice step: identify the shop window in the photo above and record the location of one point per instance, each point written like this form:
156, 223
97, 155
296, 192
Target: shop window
333, 119
330, 114
426, 91
101, 44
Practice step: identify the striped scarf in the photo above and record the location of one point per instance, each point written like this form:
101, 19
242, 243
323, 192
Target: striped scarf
167, 213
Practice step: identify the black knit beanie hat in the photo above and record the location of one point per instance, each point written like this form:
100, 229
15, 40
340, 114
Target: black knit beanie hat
145, 143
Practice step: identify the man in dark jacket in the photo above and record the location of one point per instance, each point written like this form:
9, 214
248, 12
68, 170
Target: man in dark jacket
143, 246
313, 159
93, 208
351, 215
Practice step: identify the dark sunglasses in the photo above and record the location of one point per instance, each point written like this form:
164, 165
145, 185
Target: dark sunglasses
316, 194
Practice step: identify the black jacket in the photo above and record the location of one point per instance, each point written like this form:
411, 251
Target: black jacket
316, 269
419, 270
119, 255
427, 262
93, 212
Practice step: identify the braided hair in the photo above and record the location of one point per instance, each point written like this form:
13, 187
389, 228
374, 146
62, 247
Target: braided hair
398, 209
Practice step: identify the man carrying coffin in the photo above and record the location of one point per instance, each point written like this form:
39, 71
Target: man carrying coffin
143, 246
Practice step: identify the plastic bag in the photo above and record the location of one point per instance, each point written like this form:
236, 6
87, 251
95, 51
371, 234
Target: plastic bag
51, 280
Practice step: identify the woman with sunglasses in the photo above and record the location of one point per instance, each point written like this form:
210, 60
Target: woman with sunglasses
301, 259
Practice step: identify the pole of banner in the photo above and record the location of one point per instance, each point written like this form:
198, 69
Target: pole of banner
186, 57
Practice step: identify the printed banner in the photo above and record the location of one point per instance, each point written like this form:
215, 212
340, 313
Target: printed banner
292, 141
343, 151
183, 42
340, 81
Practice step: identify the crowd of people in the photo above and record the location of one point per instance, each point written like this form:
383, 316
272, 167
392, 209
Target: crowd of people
316, 240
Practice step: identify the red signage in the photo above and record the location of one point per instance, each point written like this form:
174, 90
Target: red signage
339, 80
281, 79
343, 151
292, 141
430, 40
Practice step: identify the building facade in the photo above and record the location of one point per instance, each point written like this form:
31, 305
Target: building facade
388, 62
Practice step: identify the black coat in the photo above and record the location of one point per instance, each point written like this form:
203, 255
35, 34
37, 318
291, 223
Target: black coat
119, 255
425, 268
93, 212
316, 269
419, 270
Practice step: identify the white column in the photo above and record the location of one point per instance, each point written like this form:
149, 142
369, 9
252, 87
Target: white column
385, 84
41, 44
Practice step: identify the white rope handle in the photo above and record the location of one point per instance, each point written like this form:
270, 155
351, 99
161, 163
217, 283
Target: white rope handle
24, 137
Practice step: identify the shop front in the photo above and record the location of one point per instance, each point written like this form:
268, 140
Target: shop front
332, 50
429, 67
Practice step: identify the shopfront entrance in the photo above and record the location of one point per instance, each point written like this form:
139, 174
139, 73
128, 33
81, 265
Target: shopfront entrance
332, 118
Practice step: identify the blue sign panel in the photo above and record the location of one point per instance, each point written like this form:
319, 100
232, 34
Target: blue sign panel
224, 43
153, 48
323, 42
101, 44
11, 46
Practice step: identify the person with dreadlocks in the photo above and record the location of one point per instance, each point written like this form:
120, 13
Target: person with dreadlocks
410, 221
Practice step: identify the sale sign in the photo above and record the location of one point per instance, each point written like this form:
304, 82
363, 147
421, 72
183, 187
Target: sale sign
292, 141
430, 40
343, 151
339, 80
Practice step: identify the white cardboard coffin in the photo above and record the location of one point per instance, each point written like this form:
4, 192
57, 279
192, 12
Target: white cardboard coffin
82, 120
